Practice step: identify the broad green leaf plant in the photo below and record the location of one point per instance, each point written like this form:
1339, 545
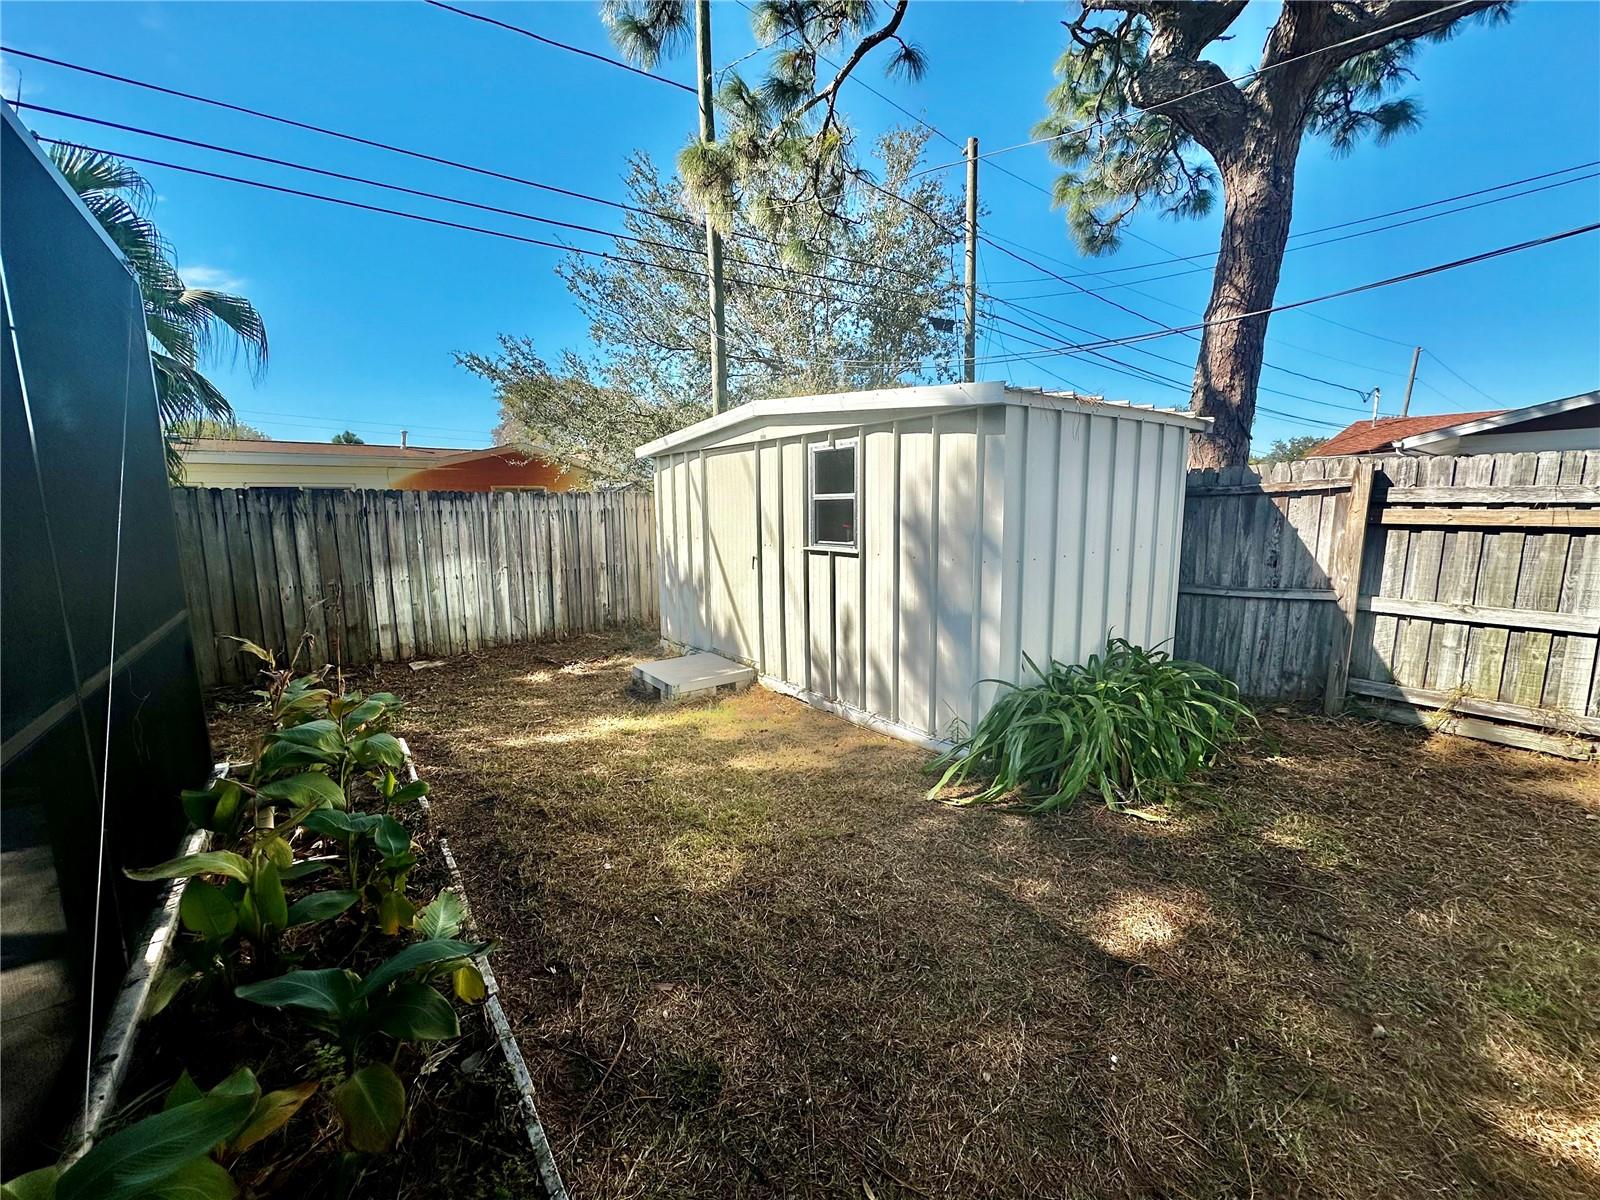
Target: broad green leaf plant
176, 1153
296, 812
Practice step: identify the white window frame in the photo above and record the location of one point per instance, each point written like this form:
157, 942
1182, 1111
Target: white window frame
812, 495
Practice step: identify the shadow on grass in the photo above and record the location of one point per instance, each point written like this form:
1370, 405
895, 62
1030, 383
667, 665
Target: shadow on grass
745, 955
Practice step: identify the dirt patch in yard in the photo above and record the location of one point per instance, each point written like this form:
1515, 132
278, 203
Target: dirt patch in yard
745, 956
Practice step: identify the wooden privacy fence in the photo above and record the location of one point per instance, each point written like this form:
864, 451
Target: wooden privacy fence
396, 575
1469, 586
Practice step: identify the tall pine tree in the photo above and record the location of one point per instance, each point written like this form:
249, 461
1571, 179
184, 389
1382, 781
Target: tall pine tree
1138, 110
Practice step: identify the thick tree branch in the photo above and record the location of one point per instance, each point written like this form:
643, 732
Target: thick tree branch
1291, 67
1175, 82
829, 95
1186, 28
1372, 21
1197, 96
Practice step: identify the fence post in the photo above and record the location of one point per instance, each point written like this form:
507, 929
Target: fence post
1346, 579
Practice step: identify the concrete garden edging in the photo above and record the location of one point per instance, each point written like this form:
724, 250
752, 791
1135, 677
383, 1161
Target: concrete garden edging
544, 1156
110, 1063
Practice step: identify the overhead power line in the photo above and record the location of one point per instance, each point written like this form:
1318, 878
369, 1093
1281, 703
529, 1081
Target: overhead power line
1407, 277
1362, 392
1187, 366
1118, 367
440, 221
356, 139
1381, 337
1431, 354
989, 241
1449, 212
472, 168
423, 193
1393, 212
1131, 233
907, 112
1254, 73
988, 238
1484, 256
539, 37
1109, 343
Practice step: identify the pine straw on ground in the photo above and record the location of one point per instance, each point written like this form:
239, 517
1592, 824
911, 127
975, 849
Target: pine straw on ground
745, 956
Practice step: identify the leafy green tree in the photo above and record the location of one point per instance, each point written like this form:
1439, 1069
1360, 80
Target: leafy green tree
208, 427
1139, 118
1289, 449
876, 308
347, 438
787, 119
188, 326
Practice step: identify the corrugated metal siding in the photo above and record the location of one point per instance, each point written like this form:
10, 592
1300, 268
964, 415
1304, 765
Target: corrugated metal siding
1099, 534
986, 534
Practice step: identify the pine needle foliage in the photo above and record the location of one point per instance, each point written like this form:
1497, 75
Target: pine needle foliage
1129, 726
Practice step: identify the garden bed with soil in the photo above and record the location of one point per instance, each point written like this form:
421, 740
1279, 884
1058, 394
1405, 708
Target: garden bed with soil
322, 1027
466, 1136
745, 955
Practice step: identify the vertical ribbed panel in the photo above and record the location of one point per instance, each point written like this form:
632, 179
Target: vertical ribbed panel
988, 536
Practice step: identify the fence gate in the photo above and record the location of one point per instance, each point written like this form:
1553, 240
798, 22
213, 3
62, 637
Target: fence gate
1462, 592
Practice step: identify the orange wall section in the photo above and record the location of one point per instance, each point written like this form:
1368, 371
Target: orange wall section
496, 471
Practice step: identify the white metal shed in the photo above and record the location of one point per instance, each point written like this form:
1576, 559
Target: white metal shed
881, 553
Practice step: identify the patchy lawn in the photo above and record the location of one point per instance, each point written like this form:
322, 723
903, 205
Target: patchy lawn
744, 955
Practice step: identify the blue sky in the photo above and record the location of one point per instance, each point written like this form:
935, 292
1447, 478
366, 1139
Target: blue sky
364, 311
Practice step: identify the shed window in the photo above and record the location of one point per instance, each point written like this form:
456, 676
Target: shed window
833, 494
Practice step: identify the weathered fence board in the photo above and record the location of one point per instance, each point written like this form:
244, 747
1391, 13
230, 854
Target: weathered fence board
394, 575
1469, 583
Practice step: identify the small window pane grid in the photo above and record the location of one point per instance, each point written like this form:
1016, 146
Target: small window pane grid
833, 495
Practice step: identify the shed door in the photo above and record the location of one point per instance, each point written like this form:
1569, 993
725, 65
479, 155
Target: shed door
732, 584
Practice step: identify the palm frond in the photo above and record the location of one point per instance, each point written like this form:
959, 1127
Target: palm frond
95, 171
185, 325
209, 314
183, 393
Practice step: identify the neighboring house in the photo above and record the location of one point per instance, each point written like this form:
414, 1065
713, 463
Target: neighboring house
889, 554
219, 462
1571, 423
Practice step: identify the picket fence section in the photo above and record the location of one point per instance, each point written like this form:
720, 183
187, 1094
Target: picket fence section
1463, 590
406, 574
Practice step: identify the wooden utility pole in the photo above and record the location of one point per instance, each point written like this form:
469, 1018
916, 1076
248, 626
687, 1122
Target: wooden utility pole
708, 133
969, 370
1405, 405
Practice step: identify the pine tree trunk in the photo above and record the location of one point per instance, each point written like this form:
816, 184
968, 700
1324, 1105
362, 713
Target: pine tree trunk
1258, 189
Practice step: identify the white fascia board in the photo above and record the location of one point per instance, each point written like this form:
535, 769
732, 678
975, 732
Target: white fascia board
846, 405
1071, 401
1500, 421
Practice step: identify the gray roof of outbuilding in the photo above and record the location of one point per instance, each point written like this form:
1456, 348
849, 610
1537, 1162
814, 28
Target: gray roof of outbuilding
904, 402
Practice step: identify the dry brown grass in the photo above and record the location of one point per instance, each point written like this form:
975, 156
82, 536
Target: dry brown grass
745, 956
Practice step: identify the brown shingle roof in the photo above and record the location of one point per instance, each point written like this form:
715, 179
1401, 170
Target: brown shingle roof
1364, 437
